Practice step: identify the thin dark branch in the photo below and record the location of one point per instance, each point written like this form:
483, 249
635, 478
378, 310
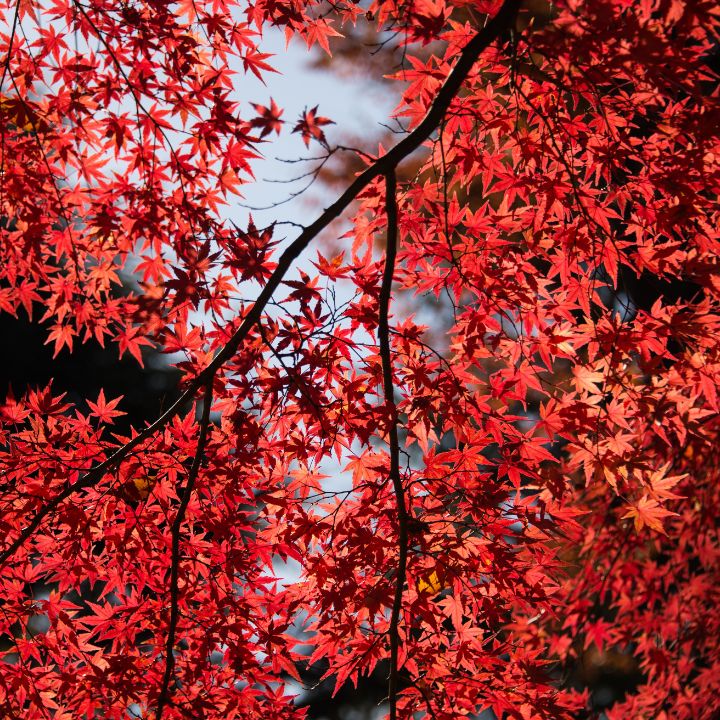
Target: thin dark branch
483, 39
388, 386
165, 690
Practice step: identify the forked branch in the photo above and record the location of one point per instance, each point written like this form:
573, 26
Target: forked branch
495, 27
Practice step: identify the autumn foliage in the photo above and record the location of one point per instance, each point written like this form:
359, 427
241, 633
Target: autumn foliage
530, 484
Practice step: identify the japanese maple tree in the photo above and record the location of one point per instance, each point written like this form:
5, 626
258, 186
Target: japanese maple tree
532, 484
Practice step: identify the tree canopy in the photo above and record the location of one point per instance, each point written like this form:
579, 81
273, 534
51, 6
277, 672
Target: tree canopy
487, 507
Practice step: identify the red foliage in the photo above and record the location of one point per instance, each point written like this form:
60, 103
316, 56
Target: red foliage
539, 489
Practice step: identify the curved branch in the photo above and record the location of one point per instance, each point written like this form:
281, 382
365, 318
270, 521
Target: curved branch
382, 166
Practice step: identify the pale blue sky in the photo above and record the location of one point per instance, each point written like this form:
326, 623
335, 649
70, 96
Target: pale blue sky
356, 104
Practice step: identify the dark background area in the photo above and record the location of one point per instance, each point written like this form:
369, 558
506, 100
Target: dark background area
26, 363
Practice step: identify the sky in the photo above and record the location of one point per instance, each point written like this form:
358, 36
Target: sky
357, 105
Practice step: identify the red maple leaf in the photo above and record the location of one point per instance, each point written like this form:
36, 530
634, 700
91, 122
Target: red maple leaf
310, 125
269, 118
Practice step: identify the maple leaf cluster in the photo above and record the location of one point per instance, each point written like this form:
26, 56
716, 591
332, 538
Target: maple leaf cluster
531, 485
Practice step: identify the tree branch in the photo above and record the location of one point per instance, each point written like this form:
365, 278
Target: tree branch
382, 166
165, 691
388, 388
